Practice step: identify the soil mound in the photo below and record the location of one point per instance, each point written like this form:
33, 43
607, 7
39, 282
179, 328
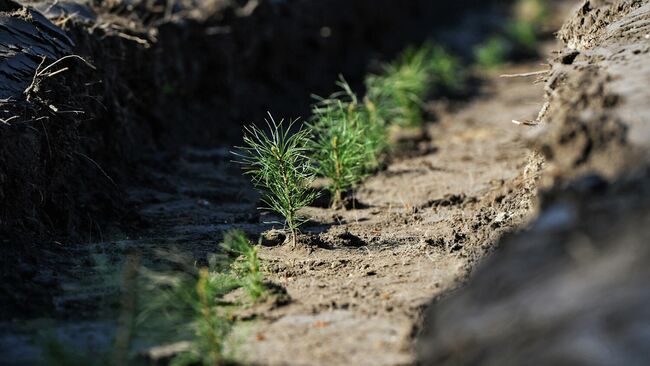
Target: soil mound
573, 288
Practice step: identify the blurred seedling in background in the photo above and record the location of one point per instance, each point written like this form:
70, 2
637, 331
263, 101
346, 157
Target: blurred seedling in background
493, 53
244, 263
181, 304
446, 72
367, 118
399, 92
532, 11
527, 25
187, 302
349, 136
280, 169
338, 144
519, 38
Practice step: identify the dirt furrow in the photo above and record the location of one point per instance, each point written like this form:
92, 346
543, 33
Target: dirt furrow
358, 303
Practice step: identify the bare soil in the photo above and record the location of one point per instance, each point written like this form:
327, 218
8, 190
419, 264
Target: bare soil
573, 287
428, 220
359, 278
417, 231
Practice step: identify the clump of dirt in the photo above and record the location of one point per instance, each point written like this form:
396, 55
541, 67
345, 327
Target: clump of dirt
578, 277
590, 25
594, 120
572, 288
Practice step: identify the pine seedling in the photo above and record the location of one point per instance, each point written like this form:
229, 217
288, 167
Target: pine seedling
212, 327
280, 169
493, 53
245, 263
399, 91
444, 69
375, 132
185, 305
363, 116
338, 146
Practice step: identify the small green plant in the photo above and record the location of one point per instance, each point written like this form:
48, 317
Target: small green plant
184, 303
245, 263
338, 144
523, 34
363, 116
280, 169
445, 70
212, 328
525, 27
518, 39
375, 133
493, 53
399, 91
209, 325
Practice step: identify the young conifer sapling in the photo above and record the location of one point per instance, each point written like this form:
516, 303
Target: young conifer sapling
338, 145
279, 168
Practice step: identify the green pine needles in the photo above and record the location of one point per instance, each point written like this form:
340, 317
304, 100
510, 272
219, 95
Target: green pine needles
186, 302
400, 89
519, 37
245, 263
338, 145
280, 169
346, 136
399, 92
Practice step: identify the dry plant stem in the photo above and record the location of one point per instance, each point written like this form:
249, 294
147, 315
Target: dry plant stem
526, 74
294, 238
41, 73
